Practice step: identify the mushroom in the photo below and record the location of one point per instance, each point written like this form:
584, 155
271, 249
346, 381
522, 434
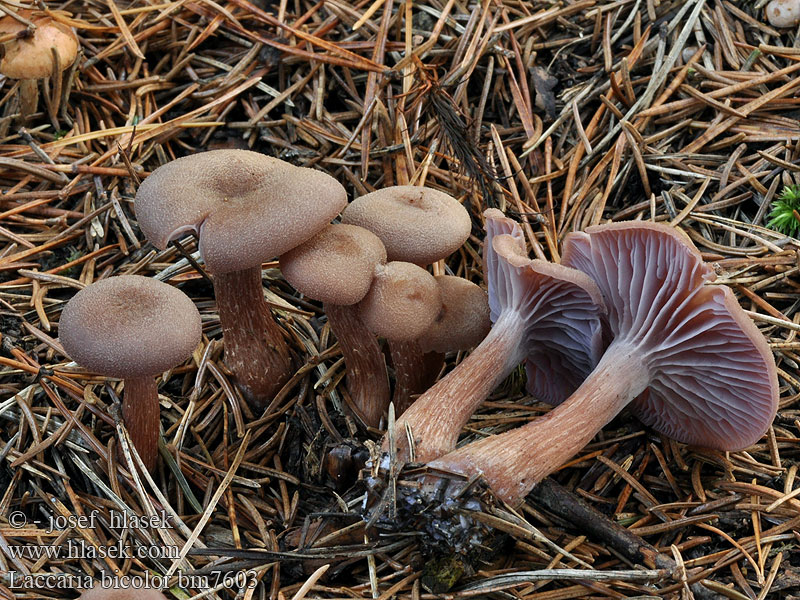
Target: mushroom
98, 592
402, 302
547, 313
337, 267
416, 224
462, 322
133, 328
46, 51
684, 354
245, 208
419, 225
783, 13
401, 305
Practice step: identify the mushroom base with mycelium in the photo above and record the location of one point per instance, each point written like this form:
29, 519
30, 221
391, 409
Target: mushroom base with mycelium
454, 539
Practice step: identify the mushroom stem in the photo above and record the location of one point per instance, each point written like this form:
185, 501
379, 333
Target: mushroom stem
255, 350
514, 461
367, 380
140, 411
414, 371
28, 98
437, 416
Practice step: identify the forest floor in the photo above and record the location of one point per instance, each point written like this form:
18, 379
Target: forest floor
563, 114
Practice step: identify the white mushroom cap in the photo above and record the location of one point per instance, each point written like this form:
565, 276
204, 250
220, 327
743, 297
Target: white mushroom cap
783, 13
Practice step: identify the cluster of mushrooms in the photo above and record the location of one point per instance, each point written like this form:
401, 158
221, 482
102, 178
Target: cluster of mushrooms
630, 317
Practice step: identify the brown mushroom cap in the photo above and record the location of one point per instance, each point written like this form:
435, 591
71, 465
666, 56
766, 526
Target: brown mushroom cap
115, 593
245, 207
416, 224
713, 380
402, 302
462, 322
30, 57
336, 266
129, 326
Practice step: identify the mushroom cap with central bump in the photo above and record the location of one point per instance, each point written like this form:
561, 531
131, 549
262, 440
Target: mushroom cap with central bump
416, 224
31, 57
713, 380
244, 206
129, 326
336, 266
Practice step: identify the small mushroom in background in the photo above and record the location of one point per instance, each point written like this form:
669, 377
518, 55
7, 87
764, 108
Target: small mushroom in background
401, 305
337, 267
51, 48
783, 13
133, 328
402, 302
418, 225
547, 313
98, 592
244, 208
462, 322
684, 354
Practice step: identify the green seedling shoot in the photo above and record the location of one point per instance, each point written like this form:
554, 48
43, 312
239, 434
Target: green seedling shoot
785, 217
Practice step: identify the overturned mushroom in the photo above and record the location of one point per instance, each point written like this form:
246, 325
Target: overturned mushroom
134, 328
684, 354
245, 208
547, 313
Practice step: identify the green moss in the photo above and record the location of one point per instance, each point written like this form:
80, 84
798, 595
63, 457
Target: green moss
441, 574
